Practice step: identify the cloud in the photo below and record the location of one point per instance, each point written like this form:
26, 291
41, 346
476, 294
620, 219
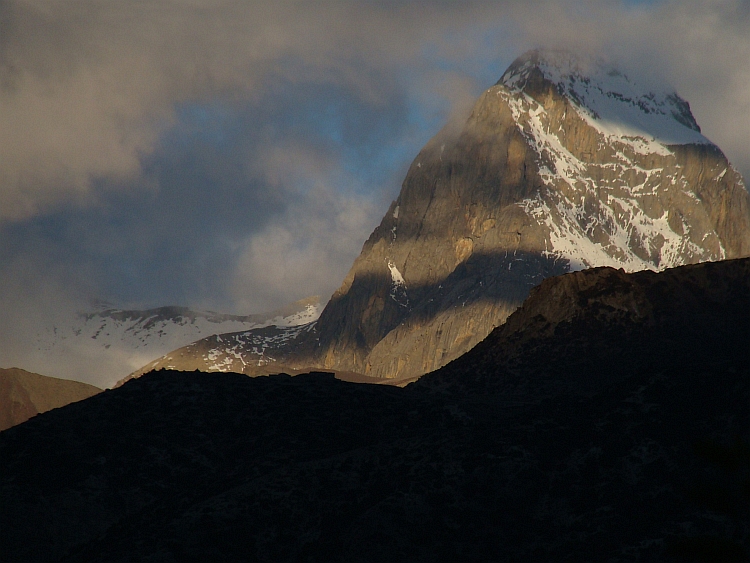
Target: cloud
308, 248
33, 297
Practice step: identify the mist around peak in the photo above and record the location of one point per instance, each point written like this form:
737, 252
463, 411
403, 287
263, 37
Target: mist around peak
610, 100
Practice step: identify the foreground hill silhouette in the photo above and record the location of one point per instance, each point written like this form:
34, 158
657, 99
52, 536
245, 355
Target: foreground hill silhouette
608, 419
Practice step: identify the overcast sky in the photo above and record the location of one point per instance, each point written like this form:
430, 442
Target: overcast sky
234, 155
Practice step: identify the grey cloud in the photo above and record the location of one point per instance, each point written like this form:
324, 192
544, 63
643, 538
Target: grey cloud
303, 248
90, 86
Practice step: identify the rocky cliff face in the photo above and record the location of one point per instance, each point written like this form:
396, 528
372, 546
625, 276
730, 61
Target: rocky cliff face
564, 164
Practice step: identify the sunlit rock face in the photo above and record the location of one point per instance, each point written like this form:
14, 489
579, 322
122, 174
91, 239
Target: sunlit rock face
564, 164
23, 395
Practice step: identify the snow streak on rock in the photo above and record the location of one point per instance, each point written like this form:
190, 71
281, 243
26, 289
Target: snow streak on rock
398, 286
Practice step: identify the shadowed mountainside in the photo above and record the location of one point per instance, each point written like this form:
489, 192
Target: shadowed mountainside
608, 419
24, 394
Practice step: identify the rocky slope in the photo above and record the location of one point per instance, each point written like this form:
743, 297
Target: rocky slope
24, 394
564, 164
608, 420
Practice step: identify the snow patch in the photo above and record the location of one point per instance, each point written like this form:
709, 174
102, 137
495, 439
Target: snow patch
253, 347
396, 276
398, 286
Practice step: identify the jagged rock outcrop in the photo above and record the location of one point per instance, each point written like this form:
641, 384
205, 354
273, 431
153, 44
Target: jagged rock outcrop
564, 164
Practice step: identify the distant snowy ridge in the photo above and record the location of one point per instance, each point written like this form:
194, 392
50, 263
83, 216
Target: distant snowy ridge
236, 351
126, 340
251, 347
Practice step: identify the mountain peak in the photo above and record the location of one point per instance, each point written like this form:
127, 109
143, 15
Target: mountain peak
565, 164
612, 102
